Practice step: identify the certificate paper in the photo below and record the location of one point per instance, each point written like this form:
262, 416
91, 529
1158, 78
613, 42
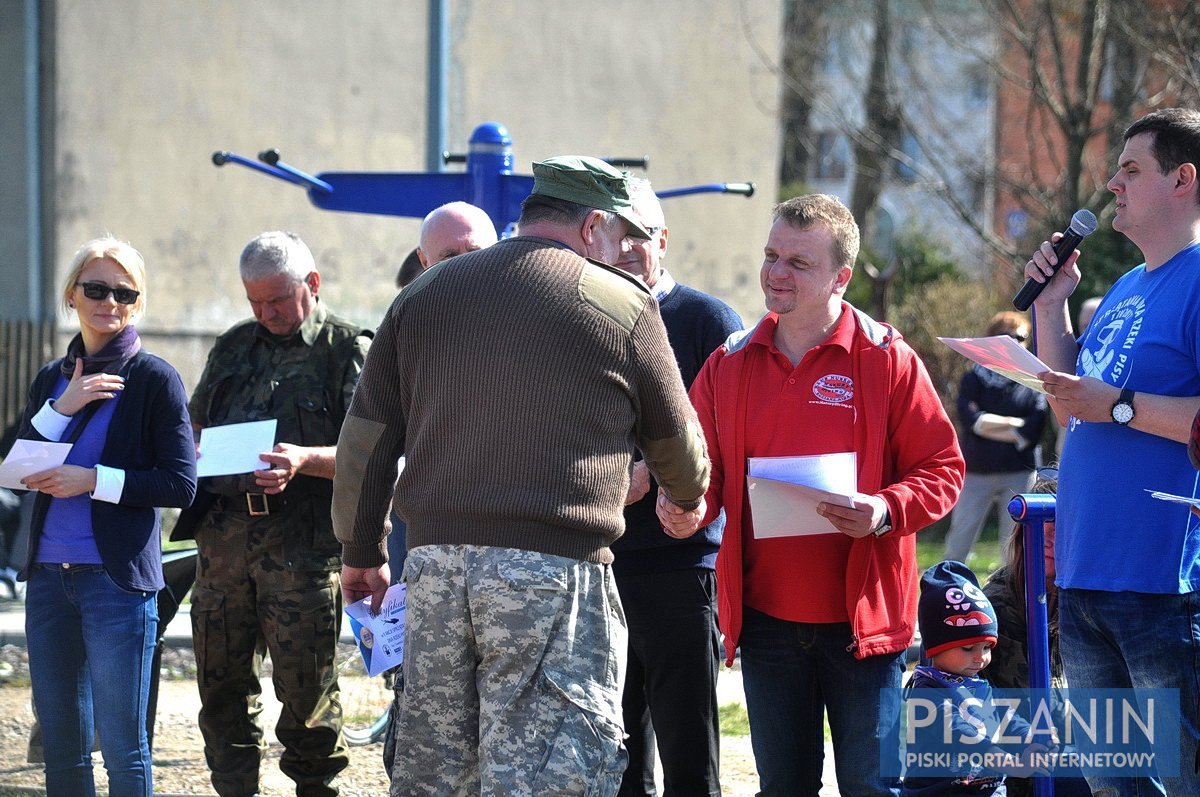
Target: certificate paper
1005, 356
234, 448
380, 637
28, 457
785, 491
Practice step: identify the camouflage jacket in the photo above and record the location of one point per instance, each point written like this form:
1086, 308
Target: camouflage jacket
305, 382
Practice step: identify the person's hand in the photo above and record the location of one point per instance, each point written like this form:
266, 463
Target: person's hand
83, 390
285, 460
858, 521
1040, 267
676, 521
1037, 751
65, 481
639, 482
359, 582
1082, 397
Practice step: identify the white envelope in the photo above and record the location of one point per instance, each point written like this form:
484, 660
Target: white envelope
234, 448
28, 457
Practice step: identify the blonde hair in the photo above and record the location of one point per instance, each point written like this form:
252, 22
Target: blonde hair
121, 253
824, 210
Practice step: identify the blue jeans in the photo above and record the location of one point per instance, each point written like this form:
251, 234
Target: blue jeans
1122, 640
791, 673
90, 650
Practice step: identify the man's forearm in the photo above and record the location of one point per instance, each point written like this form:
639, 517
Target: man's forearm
320, 461
1165, 416
1056, 339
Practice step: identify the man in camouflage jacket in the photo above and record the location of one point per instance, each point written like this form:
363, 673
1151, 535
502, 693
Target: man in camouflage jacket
267, 576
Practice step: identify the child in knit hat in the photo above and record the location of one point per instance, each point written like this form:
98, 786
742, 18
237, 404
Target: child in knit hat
958, 632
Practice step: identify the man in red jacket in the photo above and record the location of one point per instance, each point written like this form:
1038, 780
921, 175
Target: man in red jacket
823, 620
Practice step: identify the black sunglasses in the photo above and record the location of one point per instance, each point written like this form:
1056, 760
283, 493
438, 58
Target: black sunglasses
99, 292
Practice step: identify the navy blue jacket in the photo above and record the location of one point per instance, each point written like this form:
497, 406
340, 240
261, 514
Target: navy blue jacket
150, 438
696, 325
983, 391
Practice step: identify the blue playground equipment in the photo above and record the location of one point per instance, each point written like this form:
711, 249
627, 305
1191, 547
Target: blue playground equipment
488, 181
1035, 511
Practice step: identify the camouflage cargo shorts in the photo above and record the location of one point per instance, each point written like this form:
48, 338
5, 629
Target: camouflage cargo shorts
513, 668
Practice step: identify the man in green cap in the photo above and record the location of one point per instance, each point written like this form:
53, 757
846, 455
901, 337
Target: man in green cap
517, 381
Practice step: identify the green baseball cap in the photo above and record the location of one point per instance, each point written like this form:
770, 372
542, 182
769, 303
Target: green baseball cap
590, 182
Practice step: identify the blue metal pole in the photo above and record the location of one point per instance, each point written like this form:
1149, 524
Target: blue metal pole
436, 115
489, 155
1034, 511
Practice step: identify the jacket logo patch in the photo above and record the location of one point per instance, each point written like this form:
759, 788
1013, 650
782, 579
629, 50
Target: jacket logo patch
834, 388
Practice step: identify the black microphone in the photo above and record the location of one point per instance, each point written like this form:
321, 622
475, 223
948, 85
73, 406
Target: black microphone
1083, 223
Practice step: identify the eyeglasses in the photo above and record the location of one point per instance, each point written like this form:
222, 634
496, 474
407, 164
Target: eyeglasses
98, 291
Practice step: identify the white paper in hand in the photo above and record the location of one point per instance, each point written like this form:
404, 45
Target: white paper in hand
28, 457
380, 637
234, 448
785, 491
1003, 355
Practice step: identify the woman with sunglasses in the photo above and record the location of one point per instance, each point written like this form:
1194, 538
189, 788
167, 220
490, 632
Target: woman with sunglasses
95, 560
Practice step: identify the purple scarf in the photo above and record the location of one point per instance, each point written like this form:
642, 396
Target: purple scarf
110, 359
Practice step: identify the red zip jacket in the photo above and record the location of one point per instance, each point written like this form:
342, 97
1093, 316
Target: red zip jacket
907, 454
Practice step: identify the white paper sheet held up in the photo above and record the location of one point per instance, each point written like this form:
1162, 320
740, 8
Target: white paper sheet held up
28, 457
1005, 356
234, 448
1194, 503
380, 637
785, 491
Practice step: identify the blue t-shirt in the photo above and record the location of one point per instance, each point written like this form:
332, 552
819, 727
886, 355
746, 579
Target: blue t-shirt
1111, 535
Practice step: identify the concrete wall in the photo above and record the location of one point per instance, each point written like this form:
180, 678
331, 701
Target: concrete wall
19, 293
147, 90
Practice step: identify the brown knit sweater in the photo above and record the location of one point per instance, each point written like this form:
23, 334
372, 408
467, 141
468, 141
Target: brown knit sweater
516, 380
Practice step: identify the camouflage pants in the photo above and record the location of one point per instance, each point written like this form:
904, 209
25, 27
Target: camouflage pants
513, 666
246, 602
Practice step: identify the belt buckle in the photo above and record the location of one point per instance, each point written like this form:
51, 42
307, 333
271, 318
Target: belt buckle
257, 512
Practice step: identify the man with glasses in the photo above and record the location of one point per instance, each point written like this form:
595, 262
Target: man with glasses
1128, 565
1001, 429
668, 586
266, 575
517, 381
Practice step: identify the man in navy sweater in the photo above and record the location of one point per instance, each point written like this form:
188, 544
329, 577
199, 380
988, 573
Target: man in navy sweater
667, 585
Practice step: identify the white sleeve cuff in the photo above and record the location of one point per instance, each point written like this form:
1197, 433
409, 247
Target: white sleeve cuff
110, 483
49, 423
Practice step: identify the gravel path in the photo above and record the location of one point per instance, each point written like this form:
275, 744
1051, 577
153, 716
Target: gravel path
178, 757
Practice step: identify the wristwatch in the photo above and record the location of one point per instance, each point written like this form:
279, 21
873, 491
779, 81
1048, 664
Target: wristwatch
1122, 408
885, 525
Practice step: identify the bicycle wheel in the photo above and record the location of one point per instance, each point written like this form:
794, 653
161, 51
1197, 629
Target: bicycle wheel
366, 701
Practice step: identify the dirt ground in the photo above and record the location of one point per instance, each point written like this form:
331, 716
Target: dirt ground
179, 760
